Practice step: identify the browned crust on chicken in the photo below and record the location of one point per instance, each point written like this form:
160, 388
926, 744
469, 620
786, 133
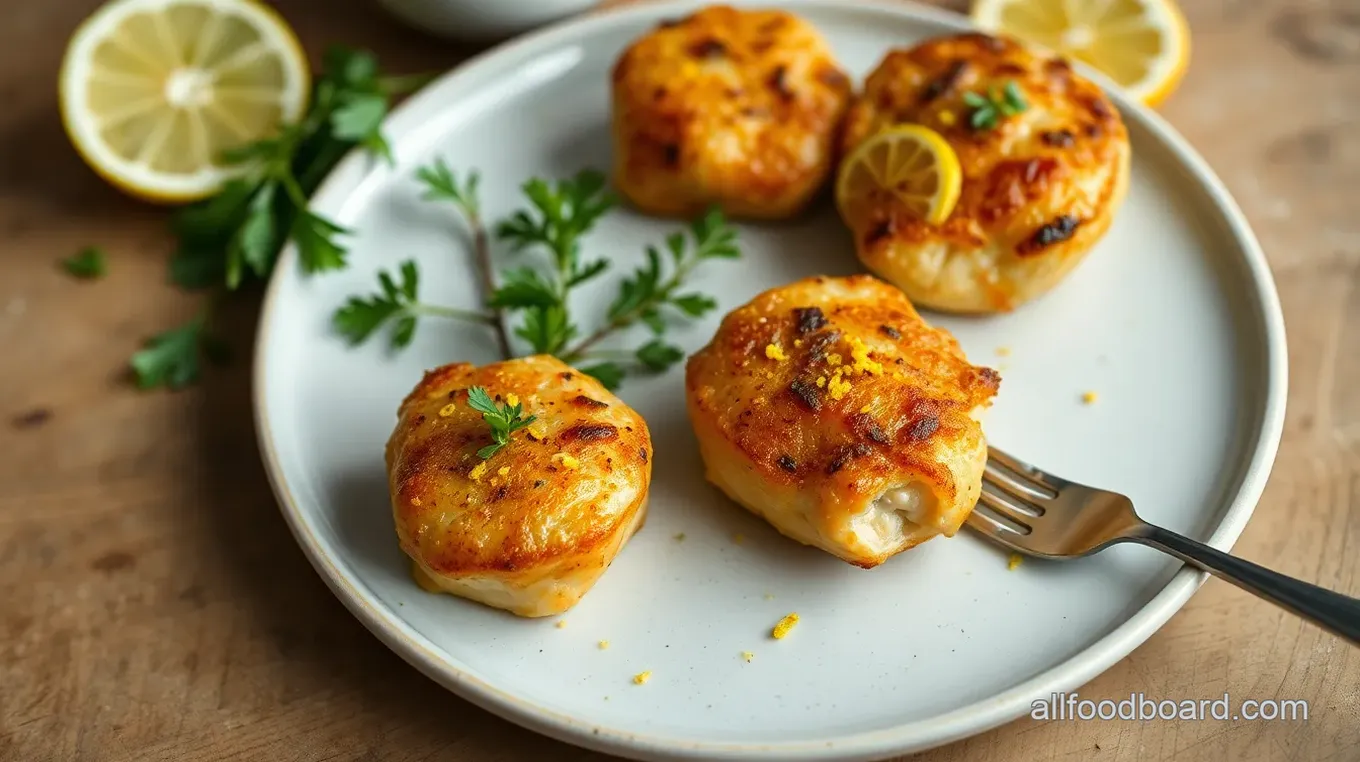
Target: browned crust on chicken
1038, 190
558, 501
859, 396
728, 107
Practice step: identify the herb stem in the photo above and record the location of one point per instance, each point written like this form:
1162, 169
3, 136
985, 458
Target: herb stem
481, 245
436, 310
628, 318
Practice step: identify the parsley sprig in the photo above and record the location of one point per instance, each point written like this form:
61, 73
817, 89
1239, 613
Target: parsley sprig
644, 296
555, 220
988, 110
504, 419
235, 236
87, 264
395, 305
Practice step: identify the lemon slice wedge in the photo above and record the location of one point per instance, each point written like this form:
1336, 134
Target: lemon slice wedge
1144, 45
910, 164
153, 91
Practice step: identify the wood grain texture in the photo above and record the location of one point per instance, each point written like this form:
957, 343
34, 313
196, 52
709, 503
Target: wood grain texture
154, 607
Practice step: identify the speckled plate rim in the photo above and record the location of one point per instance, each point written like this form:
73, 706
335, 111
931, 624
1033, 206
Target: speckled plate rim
392, 630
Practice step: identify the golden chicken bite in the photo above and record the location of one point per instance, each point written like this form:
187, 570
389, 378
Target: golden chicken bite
1039, 189
832, 410
531, 528
727, 107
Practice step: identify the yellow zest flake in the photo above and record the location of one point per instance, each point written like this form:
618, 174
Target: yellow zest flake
512, 399
604, 644
782, 629
833, 359
947, 118
837, 387
775, 352
866, 408
447, 410
748, 656
561, 624
566, 461
821, 381
798, 342
860, 353
538, 431
478, 471
1003, 351
1088, 398
642, 677
1013, 561
415, 501
505, 471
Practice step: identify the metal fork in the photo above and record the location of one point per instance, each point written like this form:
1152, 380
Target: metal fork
1039, 514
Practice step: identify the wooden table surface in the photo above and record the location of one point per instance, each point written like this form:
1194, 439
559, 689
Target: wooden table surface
153, 605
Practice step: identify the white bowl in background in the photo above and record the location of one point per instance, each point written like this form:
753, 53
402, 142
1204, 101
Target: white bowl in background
481, 19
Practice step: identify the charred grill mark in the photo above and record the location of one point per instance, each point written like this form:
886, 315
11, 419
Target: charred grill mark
845, 454
500, 492
786, 463
670, 155
566, 376
806, 393
708, 48
945, 83
833, 77
539, 483
1058, 138
584, 401
670, 23
1100, 108
877, 434
1009, 69
890, 332
1057, 231
659, 94
643, 452
878, 232
809, 319
779, 82
31, 419
921, 429
821, 342
590, 432
755, 112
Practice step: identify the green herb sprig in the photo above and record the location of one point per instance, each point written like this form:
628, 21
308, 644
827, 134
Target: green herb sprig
988, 110
87, 264
504, 419
397, 305
235, 236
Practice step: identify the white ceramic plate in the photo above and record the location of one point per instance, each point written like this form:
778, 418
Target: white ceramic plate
1173, 320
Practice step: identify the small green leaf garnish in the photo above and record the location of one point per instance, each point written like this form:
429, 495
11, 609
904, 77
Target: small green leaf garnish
172, 358
989, 110
503, 419
87, 264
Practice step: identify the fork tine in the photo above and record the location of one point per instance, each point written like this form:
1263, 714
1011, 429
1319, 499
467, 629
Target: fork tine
1028, 497
1005, 508
1044, 481
983, 520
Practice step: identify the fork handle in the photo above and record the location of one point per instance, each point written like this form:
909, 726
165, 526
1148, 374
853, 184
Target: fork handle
1332, 611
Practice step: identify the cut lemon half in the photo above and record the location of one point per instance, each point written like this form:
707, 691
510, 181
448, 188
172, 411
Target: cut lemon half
153, 91
910, 163
1144, 45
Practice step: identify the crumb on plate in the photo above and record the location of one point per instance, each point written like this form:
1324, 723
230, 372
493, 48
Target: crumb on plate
1013, 561
604, 644
1003, 351
561, 624
782, 628
748, 656
642, 677
1088, 398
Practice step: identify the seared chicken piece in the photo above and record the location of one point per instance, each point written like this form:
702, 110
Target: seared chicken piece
831, 409
727, 107
531, 528
1038, 191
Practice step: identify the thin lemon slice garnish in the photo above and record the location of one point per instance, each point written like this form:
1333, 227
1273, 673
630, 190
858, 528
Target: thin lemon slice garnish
1144, 45
154, 91
910, 165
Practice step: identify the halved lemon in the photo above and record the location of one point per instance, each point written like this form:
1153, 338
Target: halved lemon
1144, 45
908, 162
153, 91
